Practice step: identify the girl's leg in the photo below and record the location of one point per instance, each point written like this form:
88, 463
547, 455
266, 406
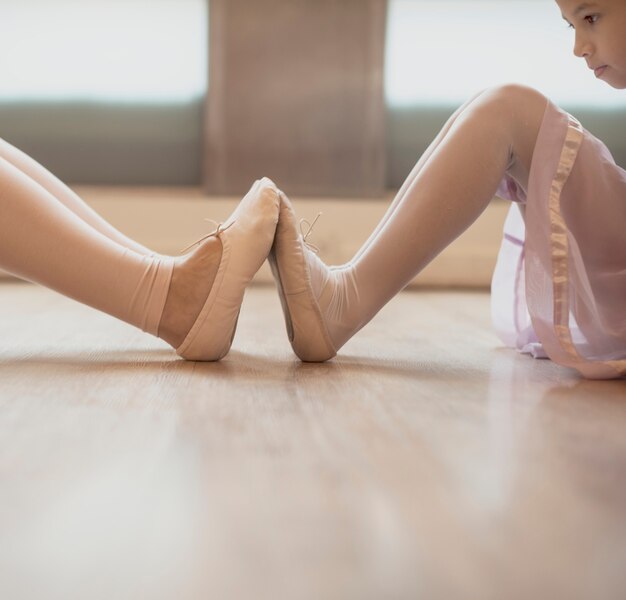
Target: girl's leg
65, 195
413, 174
496, 133
493, 134
42, 240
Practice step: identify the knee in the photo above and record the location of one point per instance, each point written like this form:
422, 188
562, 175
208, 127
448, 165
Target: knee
512, 109
519, 111
514, 92
519, 104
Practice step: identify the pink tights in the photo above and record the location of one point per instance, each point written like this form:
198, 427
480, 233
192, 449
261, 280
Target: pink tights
48, 235
492, 134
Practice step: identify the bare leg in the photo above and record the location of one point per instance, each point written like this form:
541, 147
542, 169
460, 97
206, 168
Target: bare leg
66, 196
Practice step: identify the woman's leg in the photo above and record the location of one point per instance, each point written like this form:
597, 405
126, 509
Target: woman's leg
494, 134
42, 240
65, 195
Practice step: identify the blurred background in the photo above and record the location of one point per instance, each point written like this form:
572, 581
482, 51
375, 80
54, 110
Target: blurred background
119, 91
149, 108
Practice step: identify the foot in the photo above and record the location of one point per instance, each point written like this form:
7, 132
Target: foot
208, 284
320, 303
192, 279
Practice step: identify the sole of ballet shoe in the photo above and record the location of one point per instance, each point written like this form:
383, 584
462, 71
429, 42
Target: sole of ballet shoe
305, 325
246, 241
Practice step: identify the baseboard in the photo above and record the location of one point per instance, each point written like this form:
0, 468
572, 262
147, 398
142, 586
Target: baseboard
168, 219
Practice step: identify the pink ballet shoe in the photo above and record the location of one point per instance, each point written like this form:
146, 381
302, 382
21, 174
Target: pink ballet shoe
291, 262
246, 239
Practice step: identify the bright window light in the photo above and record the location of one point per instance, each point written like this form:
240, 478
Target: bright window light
443, 51
133, 51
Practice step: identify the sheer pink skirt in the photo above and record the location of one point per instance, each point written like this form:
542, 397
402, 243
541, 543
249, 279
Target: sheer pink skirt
559, 288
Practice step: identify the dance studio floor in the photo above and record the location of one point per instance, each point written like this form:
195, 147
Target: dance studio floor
425, 462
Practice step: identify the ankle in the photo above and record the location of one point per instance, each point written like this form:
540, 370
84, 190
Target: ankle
339, 300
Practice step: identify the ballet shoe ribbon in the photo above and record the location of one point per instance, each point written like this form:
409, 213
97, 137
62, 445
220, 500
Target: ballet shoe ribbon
305, 234
218, 229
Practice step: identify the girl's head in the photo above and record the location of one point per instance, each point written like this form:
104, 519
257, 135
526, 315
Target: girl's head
600, 29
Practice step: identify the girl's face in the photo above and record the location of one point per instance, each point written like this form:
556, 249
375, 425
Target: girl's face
600, 29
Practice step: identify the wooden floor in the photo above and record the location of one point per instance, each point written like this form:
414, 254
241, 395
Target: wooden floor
425, 462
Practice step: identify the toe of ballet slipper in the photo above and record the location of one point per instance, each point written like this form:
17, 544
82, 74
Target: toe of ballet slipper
246, 238
305, 323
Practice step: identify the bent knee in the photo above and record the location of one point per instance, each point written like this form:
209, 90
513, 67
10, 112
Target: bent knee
515, 92
519, 103
511, 109
517, 112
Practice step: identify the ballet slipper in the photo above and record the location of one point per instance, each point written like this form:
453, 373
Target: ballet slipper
246, 239
294, 267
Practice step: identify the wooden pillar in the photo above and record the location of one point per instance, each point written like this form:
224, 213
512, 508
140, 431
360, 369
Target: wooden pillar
296, 94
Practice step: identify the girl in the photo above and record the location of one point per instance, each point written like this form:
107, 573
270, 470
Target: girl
50, 236
559, 288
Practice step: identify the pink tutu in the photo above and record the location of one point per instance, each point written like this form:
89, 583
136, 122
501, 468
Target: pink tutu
559, 288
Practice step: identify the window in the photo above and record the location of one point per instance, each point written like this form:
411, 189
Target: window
106, 91
444, 51
126, 51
